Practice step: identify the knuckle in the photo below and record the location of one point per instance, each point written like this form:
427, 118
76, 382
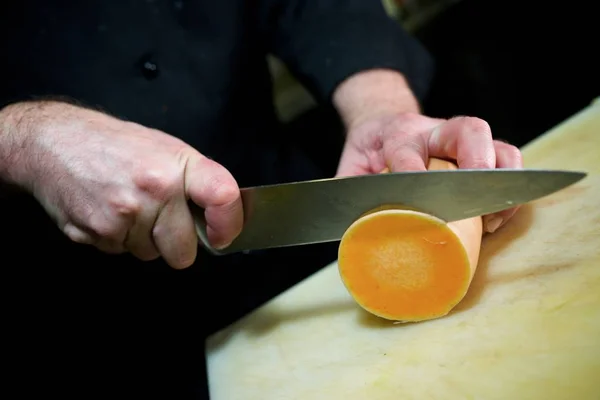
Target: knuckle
394, 132
476, 125
77, 235
106, 230
406, 146
409, 117
124, 203
158, 182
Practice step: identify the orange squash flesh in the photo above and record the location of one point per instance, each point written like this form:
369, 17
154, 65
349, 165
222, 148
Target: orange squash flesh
405, 265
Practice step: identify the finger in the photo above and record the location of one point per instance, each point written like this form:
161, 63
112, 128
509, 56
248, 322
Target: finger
83, 236
212, 187
174, 234
139, 240
77, 234
403, 151
353, 162
106, 227
467, 140
110, 246
507, 156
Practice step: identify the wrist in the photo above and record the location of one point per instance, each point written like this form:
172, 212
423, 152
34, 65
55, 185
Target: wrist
373, 93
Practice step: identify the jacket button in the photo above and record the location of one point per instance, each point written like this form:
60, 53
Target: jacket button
148, 66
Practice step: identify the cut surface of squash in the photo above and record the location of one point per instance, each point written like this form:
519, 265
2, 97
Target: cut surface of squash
405, 265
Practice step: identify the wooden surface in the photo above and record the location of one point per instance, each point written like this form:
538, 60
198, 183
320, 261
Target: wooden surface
529, 327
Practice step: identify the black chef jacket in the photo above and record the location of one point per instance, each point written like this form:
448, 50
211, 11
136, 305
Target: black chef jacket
197, 70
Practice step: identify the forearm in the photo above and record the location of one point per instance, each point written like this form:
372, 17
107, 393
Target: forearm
13, 143
371, 93
324, 42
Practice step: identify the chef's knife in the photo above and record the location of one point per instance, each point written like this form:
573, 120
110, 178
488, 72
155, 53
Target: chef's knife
317, 211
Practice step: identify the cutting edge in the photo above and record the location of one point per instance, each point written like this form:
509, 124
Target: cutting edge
200, 221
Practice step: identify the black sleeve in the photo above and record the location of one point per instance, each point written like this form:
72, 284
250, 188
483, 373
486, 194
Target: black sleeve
324, 41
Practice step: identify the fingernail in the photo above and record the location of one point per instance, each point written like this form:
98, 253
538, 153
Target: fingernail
493, 224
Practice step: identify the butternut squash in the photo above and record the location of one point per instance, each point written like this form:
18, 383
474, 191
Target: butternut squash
405, 265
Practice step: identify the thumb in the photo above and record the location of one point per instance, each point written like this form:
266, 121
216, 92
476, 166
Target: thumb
212, 187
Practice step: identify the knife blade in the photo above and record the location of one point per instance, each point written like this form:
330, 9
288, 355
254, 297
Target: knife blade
317, 211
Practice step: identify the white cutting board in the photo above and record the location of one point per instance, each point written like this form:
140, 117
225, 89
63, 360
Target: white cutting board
528, 329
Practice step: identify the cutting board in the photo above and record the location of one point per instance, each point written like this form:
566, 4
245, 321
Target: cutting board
529, 327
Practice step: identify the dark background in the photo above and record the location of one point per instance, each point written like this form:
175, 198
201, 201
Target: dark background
524, 67
523, 70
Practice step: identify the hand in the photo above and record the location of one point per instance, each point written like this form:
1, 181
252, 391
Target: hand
405, 141
122, 187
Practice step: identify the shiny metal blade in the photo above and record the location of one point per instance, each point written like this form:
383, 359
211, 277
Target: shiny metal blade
318, 211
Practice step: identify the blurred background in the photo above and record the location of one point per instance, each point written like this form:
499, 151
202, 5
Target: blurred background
522, 66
